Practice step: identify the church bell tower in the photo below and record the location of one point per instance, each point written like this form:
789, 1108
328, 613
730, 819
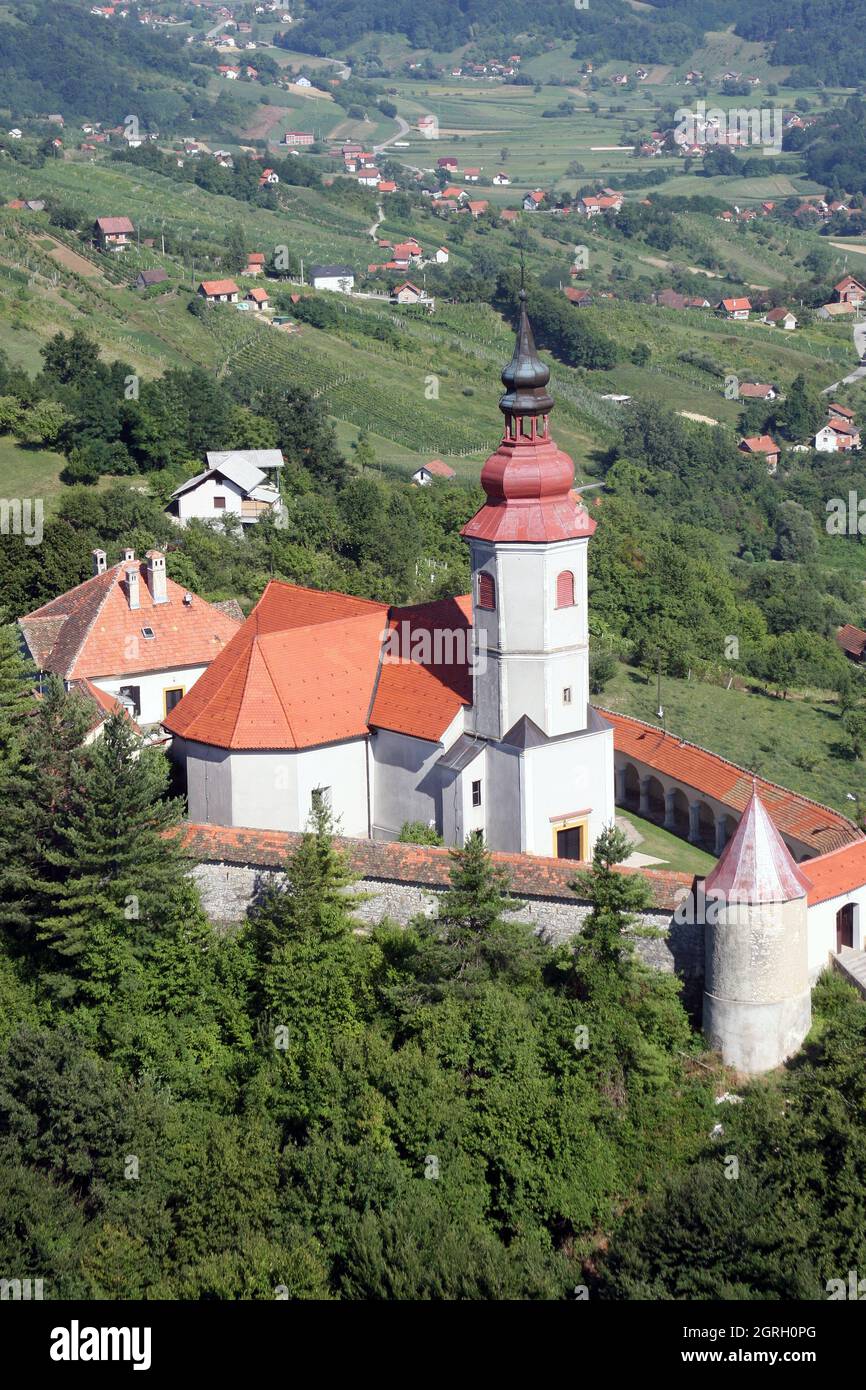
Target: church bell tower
528, 549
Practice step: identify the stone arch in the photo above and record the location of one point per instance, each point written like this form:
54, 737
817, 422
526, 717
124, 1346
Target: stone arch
680, 807
655, 798
706, 825
631, 782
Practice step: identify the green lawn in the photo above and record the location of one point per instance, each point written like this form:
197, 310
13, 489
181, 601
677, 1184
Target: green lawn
795, 742
675, 853
29, 472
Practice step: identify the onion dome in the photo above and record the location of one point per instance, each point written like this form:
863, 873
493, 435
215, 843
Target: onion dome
529, 482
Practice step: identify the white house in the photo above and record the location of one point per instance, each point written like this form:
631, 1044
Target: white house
467, 714
340, 278
827, 440
239, 483
436, 468
219, 291
131, 632
441, 255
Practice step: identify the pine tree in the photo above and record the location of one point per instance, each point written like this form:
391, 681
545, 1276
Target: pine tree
17, 679
112, 882
474, 937
37, 795
603, 952
303, 937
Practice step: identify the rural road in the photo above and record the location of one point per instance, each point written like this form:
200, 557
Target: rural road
380, 217
860, 349
404, 126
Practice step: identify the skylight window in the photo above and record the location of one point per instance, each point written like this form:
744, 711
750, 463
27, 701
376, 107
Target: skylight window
149, 633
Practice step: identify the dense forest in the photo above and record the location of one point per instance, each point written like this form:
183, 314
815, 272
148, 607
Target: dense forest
59, 57
288, 1108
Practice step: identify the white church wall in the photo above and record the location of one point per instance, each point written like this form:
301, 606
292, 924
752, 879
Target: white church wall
152, 687
459, 817
568, 781
822, 927
406, 782
273, 790
208, 781
503, 795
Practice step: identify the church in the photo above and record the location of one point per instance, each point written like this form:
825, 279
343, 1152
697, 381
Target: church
466, 714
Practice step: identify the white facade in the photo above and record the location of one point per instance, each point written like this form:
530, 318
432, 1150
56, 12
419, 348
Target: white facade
532, 656
827, 441
152, 700
341, 284
822, 927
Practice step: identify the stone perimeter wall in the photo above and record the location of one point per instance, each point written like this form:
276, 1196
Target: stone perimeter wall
228, 889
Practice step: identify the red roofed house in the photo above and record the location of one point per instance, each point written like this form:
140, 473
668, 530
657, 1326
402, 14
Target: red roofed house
477, 209
387, 186
131, 632
113, 233
407, 293
852, 640
781, 318
255, 263
762, 444
735, 308
849, 291
219, 291
423, 476
260, 298
470, 713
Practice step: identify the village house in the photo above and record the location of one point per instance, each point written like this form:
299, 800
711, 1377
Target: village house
477, 208
582, 298
387, 186
131, 633
339, 278
255, 263
238, 484
781, 318
471, 175
219, 291
268, 176
440, 255
852, 640
762, 444
259, 299
501, 179
757, 391
670, 299
146, 278
533, 200
734, 308
837, 436
407, 293
428, 472
113, 233
298, 137
447, 161
849, 291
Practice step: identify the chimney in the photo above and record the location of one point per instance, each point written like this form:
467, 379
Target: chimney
128, 554
99, 561
156, 577
132, 593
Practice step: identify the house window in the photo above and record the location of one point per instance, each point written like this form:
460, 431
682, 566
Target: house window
486, 591
476, 793
172, 697
566, 695
219, 503
149, 633
130, 695
320, 799
565, 589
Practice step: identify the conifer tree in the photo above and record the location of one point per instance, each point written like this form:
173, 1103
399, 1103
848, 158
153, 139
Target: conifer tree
603, 952
112, 881
474, 937
303, 936
37, 795
17, 679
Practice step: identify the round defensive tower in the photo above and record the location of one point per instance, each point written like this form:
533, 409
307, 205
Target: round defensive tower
757, 998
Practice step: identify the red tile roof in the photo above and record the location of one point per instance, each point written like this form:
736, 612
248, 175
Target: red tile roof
92, 631
104, 704
733, 305
439, 469
423, 699
531, 875
759, 444
211, 287
835, 874
114, 225
755, 391
840, 410
792, 814
298, 673
851, 639
260, 296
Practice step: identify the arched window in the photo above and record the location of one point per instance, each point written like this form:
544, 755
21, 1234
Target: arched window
565, 589
486, 591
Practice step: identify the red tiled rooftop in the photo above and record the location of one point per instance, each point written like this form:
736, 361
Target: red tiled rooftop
818, 826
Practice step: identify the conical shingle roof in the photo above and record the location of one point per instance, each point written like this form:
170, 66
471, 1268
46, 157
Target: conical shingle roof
756, 864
